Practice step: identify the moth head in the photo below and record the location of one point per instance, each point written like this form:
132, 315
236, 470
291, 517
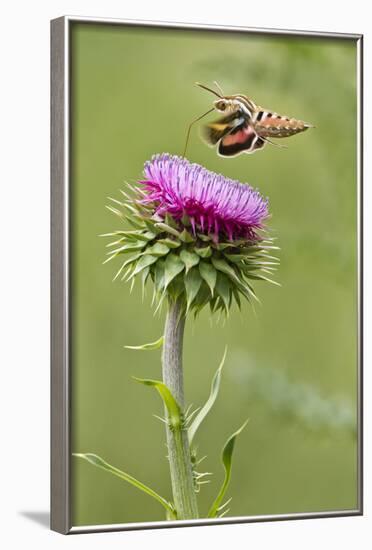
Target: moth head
220, 105
225, 106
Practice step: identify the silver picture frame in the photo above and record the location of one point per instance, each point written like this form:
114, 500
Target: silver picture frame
61, 123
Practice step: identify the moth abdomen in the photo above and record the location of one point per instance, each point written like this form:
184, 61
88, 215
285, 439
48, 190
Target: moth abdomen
268, 124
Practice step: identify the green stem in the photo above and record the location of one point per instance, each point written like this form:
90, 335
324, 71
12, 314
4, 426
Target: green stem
177, 439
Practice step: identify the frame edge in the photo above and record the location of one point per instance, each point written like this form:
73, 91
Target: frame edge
59, 394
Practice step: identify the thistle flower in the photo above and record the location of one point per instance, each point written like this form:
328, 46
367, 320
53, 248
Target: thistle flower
199, 236
214, 204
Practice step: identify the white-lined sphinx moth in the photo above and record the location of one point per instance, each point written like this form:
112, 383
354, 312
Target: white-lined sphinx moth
245, 127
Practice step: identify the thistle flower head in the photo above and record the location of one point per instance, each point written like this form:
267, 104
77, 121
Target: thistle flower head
197, 235
213, 204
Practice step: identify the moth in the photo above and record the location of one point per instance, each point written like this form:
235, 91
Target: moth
244, 127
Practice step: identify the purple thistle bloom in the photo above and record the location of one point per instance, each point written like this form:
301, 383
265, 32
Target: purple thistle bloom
213, 203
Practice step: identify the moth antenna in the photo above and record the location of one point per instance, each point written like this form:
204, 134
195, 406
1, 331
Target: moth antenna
208, 89
190, 126
218, 87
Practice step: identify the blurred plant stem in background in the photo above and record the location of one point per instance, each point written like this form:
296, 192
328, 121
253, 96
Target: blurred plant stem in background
289, 401
177, 440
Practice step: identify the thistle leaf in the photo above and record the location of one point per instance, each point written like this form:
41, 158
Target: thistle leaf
142, 263
235, 258
115, 211
148, 347
193, 283
209, 403
205, 238
173, 265
137, 235
222, 246
125, 249
159, 275
259, 277
186, 237
223, 289
100, 463
126, 263
227, 463
173, 408
189, 259
157, 249
222, 266
144, 276
205, 252
170, 243
169, 220
135, 223
168, 229
209, 274
237, 298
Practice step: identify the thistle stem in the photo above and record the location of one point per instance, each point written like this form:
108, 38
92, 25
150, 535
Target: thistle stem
177, 439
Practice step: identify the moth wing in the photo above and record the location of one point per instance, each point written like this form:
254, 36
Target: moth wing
213, 132
241, 139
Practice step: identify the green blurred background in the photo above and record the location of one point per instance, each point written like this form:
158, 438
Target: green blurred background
292, 363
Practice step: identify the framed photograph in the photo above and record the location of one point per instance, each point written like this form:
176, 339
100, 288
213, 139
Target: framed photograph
206, 275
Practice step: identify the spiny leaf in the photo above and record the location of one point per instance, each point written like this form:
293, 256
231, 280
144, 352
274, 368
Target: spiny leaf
205, 238
169, 220
210, 401
172, 267
135, 235
204, 296
113, 234
168, 229
223, 289
173, 408
204, 252
144, 276
259, 277
170, 243
128, 206
248, 292
209, 274
115, 211
246, 289
193, 282
159, 275
137, 224
100, 463
222, 266
189, 259
143, 262
227, 463
126, 249
127, 263
157, 249
222, 246
186, 237
237, 297
235, 257
148, 347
